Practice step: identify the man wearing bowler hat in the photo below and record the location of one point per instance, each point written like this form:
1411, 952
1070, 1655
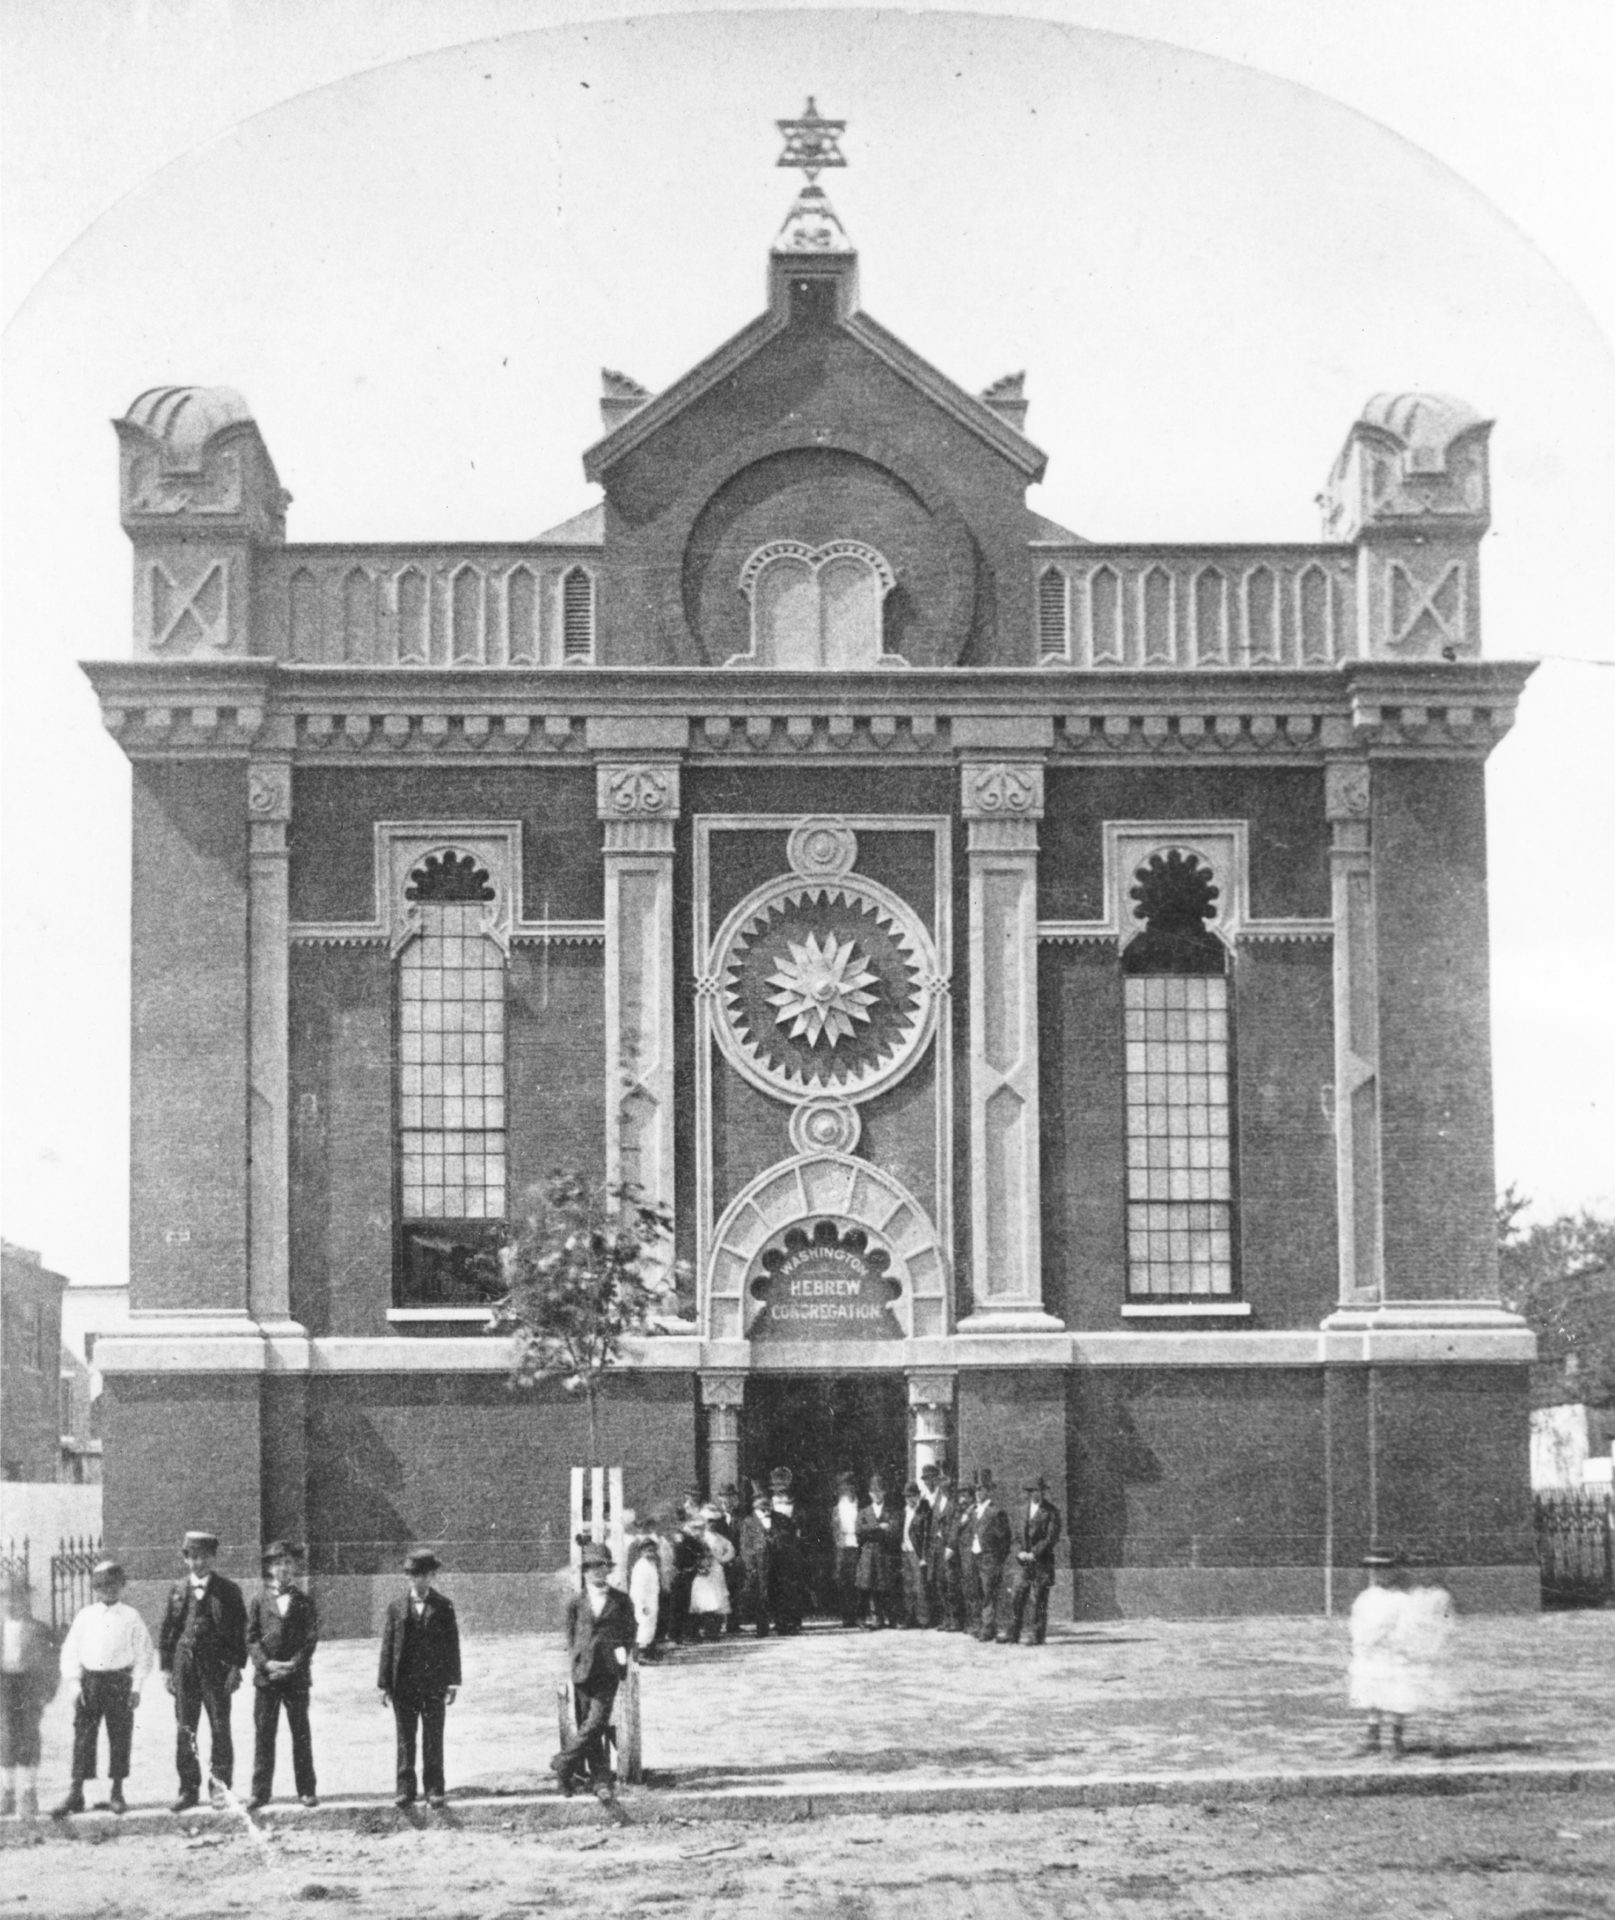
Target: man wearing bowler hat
1034, 1573
281, 1636
419, 1676
202, 1647
599, 1633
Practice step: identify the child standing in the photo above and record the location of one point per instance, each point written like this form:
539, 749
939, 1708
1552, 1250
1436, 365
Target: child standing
709, 1591
1424, 1637
282, 1633
105, 1660
419, 1676
599, 1633
28, 1680
645, 1593
1378, 1680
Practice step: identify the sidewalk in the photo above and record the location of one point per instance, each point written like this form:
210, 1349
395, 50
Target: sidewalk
1105, 1713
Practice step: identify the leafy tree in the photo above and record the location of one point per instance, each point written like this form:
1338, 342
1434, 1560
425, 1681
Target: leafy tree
588, 1268
1560, 1277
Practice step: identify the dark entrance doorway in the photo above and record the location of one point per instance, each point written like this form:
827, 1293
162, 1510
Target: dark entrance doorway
822, 1425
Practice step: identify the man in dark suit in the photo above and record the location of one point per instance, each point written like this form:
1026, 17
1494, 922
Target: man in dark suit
599, 1633
915, 1524
1034, 1575
757, 1556
880, 1556
985, 1543
419, 1675
942, 1557
282, 1632
202, 1648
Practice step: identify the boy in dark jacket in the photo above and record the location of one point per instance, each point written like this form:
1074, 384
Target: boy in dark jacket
202, 1648
419, 1675
599, 1633
282, 1632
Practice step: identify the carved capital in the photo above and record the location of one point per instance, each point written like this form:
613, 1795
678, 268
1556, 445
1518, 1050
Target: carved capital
1346, 790
1003, 790
930, 1389
269, 790
648, 790
723, 1390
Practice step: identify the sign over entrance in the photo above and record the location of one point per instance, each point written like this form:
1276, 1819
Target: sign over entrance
818, 1282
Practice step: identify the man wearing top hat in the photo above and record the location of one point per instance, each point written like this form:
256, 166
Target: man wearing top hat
942, 1556
599, 1633
1034, 1573
419, 1675
282, 1632
984, 1545
790, 1595
105, 1660
202, 1647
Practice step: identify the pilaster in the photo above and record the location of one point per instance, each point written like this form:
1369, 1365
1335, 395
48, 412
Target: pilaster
930, 1406
1002, 802
722, 1395
639, 802
1356, 1007
269, 810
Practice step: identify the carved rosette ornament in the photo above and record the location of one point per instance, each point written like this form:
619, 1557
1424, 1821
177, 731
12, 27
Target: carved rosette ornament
828, 986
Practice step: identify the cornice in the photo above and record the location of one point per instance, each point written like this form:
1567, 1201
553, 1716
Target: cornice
317, 713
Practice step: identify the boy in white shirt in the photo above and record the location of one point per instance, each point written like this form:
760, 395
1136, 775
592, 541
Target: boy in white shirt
105, 1660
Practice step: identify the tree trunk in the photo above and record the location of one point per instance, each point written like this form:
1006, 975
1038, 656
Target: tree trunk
594, 1438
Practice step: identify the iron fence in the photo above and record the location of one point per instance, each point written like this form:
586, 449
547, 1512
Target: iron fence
14, 1564
70, 1568
1575, 1543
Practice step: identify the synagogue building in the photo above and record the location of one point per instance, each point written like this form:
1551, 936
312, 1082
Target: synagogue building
1046, 979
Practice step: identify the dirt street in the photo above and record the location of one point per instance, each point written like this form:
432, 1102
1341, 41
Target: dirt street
1516, 1856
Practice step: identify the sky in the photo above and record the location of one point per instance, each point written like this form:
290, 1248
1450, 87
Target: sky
412, 235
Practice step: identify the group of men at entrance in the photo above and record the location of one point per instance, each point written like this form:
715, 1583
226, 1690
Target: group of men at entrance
954, 1558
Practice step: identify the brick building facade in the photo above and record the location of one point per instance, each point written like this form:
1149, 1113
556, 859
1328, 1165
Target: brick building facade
1048, 979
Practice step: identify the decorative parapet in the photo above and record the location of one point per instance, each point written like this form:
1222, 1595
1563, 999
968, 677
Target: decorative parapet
1177, 608
466, 606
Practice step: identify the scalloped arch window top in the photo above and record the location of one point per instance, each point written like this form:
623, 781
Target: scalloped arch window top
817, 608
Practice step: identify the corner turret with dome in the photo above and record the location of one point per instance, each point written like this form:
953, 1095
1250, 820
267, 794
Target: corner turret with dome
1044, 977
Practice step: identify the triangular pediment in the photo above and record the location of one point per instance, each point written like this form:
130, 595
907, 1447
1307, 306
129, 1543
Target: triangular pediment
924, 379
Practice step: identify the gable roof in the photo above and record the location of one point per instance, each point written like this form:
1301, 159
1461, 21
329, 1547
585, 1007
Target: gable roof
973, 414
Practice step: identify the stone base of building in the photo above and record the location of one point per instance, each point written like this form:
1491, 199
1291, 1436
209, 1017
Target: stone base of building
1187, 1490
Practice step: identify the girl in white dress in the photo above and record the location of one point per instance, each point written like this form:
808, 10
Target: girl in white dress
1378, 1681
709, 1592
645, 1591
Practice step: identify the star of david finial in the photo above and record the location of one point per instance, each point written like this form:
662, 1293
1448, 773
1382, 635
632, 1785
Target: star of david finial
812, 143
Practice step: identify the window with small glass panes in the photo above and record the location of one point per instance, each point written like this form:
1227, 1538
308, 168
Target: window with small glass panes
1181, 1221
451, 1077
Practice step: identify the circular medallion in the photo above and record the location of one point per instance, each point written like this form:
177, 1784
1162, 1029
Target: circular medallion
824, 989
825, 1126
822, 849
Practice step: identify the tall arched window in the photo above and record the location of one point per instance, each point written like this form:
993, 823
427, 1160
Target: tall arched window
451, 1081
1180, 1120
816, 608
